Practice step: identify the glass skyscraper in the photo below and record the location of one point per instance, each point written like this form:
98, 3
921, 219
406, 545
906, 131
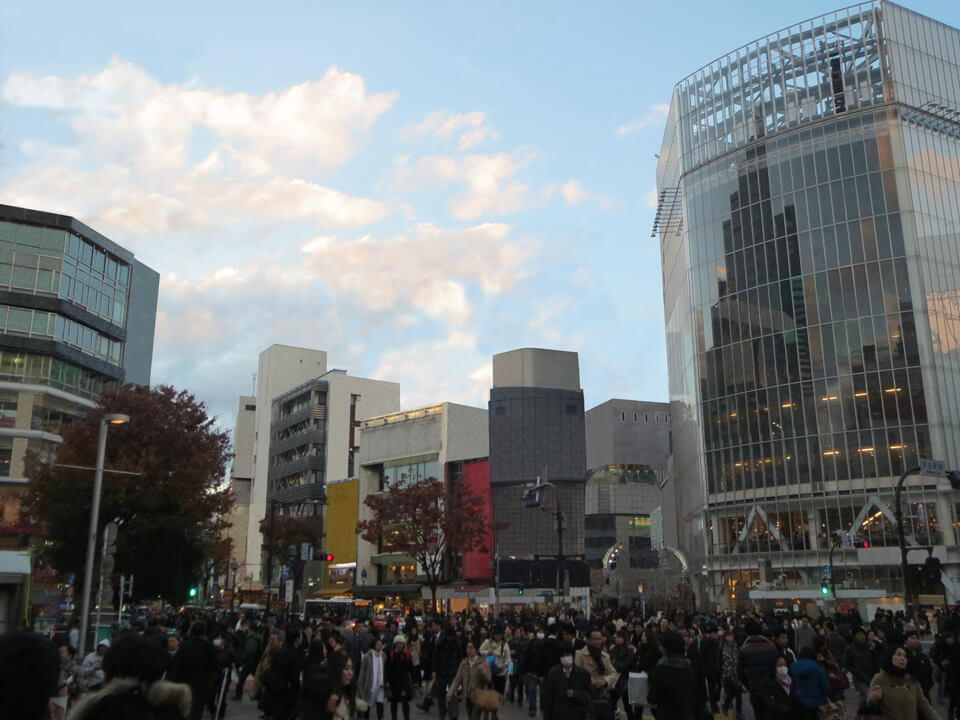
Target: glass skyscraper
809, 203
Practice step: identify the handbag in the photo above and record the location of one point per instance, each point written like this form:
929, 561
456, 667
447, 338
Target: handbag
832, 710
637, 686
486, 699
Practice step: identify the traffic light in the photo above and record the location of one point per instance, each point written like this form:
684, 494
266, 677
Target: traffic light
328, 557
521, 590
193, 592
824, 587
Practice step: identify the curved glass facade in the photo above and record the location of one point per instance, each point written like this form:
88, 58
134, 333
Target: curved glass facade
809, 208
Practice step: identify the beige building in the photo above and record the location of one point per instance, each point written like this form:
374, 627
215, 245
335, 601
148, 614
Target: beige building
241, 476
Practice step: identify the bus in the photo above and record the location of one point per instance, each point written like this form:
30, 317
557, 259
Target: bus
332, 607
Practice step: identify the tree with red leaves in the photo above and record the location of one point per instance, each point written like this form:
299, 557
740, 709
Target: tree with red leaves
422, 521
173, 509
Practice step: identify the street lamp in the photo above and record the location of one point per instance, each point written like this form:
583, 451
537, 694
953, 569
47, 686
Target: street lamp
233, 594
105, 421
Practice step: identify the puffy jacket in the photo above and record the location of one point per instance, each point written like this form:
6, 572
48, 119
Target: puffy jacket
811, 686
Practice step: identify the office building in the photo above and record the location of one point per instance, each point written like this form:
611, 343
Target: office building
307, 422
628, 453
537, 431
241, 478
808, 221
77, 311
447, 442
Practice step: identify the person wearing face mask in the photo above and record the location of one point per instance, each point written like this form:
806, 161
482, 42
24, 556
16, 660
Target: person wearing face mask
897, 694
225, 657
533, 668
566, 690
778, 695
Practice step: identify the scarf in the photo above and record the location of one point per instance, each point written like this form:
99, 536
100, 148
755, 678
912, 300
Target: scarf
597, 655
785, 682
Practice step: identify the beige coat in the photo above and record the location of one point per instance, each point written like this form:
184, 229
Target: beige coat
471, 677
584, 659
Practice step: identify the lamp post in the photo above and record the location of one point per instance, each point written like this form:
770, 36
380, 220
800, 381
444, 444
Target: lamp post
105, 421
234, 565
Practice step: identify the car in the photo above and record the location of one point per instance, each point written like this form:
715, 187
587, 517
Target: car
381, 620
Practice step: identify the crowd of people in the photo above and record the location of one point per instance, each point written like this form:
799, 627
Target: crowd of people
681, 666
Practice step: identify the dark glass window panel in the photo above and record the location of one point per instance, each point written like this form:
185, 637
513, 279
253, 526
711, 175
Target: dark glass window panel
895, 334
881, 338
891, 201
770, 181
816, 460
869, 340
826, 205
819, 257
854, 345
863, 196
823, 297
837, 308
917, 396
901, 393
810, 307
809, 171
896, 235
859, 158
779, 225
903, 284
743, 189
814, 336
869, 238
876, 192
800, 208
850, 201
796, 170
896, 448
786, 179
910, 339
909, 452
870, 149
766, 216
843, 245
923, 441
760, 258
889, 399
861, 290
833, 163
805, 251
813, 207
829, 351
846, 161
882, 236
836, 195
784, 299
746, 227
753, 185
820, 164
773, 263
830, 246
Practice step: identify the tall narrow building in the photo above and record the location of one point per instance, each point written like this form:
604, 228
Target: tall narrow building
809, 205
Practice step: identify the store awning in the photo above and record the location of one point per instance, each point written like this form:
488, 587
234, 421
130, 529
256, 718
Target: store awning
14, 566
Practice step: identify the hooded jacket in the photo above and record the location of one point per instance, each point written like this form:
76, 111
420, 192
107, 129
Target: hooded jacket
811, 686
756, 658
130, 699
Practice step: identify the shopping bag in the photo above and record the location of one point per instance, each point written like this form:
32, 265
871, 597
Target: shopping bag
637, 684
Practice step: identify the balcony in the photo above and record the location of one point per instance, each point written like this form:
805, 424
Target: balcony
312, 436
294, 467
314, 412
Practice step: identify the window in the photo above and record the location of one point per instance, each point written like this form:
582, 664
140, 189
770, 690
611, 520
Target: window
635, 417
249, 406
623, 417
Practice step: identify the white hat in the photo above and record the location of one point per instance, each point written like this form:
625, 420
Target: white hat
399, 639
104, 642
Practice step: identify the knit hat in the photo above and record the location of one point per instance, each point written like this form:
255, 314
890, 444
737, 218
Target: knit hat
399, 639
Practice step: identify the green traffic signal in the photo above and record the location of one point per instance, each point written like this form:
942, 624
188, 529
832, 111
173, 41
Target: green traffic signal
521, 591
825, 589
193, 592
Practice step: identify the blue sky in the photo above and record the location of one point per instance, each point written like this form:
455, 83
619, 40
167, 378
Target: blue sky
410, 186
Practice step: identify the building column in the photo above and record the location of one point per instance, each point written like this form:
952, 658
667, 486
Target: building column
946, 520
813, 527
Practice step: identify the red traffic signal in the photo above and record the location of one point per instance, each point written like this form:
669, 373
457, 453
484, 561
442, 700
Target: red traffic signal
328, 557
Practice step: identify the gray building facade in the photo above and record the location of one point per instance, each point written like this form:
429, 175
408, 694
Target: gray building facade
537, 430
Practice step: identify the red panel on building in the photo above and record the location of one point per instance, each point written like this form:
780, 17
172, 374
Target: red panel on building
476, 481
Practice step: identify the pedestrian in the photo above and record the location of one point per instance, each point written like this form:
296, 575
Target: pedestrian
133, 687
92, 667
274, 643
398, 677
446, 662
247, 664
225, 657
414, 646
669, 692
70, 672
496, 649
896, 694
370, 685
567, 691
318, 695
472, 675
811, 684
710, 655
281, 681
860, 662
29, 672
919, 665
730, 675
756, 658
603, 677
195, 664
623, 656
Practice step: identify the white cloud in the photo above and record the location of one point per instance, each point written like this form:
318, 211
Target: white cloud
657, 114
445, 124
131, 167
583, 277
651, 198
573, 193
547, 311
490, 185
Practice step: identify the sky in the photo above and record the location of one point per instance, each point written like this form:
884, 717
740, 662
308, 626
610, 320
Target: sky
412, 187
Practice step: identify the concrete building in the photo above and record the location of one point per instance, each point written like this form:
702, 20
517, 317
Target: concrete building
447, 442
628, 450
241, 478
305, 435
77, 311
537, 430
808, 226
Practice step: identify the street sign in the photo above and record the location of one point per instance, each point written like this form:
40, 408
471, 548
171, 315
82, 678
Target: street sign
289, 591
827, 570
933, 468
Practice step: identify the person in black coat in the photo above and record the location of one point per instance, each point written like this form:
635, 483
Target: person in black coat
195, 665
282, 680
397, 677
918, 662
710, 653
567, 690
669, 691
